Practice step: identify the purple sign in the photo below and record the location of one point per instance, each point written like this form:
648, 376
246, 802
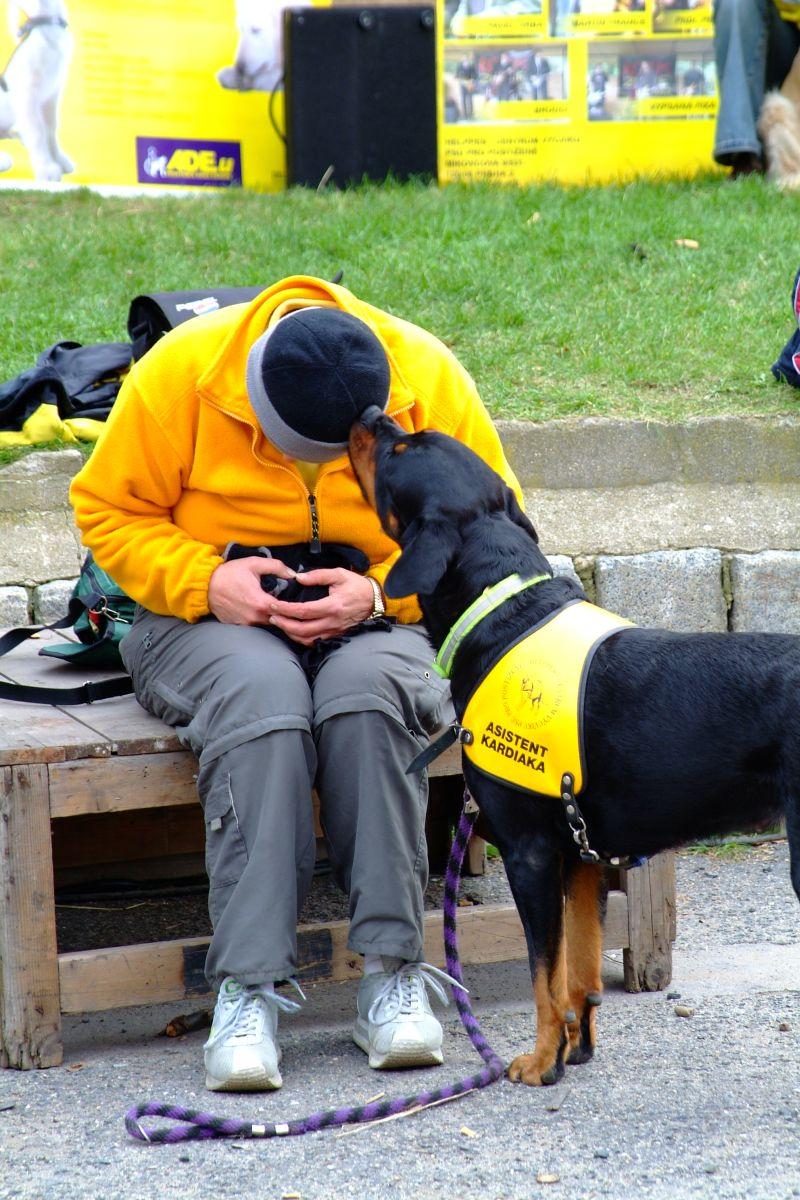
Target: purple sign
192, 162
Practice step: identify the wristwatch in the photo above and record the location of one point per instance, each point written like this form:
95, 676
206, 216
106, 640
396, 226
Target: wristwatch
378, 603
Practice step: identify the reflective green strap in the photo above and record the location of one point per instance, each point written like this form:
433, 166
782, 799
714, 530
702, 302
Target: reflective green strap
487, 602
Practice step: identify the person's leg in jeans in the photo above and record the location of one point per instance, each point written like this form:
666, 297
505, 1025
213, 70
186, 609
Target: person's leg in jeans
376, 700
754, 49
241, 701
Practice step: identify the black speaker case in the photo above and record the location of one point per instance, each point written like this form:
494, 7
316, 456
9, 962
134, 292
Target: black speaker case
360, 94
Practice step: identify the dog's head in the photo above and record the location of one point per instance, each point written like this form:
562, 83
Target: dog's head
258, 65
428, 490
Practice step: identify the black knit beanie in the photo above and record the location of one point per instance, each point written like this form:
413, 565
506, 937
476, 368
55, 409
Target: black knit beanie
310, 376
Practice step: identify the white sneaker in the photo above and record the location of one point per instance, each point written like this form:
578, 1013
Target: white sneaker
395, 1025
242, 1052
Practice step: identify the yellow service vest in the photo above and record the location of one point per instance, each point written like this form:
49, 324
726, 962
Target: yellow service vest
526, 714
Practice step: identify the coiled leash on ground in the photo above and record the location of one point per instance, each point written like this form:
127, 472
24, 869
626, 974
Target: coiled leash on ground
199, 1125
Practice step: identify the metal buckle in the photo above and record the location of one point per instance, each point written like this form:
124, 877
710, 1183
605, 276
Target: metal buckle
575, 820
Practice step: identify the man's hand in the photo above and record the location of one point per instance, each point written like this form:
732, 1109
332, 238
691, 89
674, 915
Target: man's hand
349, 600
235, 595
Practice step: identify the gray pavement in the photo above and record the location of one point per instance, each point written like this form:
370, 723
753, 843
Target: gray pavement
672, 1108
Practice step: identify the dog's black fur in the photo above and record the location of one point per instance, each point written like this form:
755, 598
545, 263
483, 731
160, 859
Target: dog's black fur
686, 734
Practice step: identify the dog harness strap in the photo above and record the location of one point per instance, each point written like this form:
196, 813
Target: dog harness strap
575, 820
453, 733
39, 22
23, 33
490, 599
577, 824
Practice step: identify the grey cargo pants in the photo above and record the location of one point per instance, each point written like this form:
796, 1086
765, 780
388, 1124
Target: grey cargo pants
264, 736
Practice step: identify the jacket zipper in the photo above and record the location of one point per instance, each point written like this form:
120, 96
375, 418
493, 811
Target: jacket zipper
316, 544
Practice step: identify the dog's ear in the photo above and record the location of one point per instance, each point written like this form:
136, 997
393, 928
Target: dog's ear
428, 548
516, 514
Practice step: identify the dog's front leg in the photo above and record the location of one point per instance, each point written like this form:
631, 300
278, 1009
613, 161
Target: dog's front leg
586, 897
535, 876
50, 118
32, 131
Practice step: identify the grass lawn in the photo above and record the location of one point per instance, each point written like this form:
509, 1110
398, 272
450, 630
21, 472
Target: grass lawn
560, 301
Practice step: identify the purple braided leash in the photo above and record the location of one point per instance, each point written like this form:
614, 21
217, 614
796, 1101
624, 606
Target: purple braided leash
202, 1126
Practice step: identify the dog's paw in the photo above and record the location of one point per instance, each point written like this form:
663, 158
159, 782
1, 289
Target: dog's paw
579, 1054
66, 164
534, 1071
48, 172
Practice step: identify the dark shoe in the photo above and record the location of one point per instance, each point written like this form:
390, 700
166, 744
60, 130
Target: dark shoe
746, 163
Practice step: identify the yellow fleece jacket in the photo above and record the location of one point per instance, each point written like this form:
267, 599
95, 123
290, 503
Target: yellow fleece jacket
182, 467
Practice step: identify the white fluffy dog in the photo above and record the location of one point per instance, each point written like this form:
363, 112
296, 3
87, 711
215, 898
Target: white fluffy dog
32, 84
258, 66
779, 128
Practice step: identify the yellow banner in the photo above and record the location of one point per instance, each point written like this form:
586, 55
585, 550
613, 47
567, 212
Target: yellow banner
576, 104
186, 93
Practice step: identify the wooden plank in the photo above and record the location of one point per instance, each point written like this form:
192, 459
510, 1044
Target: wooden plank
120, 721
159, 972
30, 1020
123, 782
39, 732
34, 733
647, 961
128, 726
476, 856
164, 971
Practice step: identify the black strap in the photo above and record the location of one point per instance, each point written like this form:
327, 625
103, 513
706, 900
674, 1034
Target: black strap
39, 23
14, 637
453, 733
85, 693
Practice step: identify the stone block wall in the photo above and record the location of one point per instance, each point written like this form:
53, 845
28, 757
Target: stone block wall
697, 588
40, 549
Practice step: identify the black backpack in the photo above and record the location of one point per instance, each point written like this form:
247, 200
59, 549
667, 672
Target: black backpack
151, 316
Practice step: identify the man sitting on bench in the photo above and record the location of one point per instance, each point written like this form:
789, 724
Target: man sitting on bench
233, 430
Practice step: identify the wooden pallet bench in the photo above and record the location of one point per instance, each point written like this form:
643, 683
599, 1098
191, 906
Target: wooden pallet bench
87, 763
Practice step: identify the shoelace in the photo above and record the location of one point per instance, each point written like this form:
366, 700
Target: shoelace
404, 989
242, 1012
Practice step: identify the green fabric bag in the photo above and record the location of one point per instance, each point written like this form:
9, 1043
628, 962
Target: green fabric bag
100, 614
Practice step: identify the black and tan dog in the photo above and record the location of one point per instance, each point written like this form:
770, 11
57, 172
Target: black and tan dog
684, 735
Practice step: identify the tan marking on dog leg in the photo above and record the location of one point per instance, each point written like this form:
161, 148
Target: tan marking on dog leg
546, 1064
584, 938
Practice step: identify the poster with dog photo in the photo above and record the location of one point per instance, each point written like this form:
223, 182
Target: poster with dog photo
498, 83
182, 94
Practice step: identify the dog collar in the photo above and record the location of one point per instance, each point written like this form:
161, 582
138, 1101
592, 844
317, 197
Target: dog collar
489, 599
